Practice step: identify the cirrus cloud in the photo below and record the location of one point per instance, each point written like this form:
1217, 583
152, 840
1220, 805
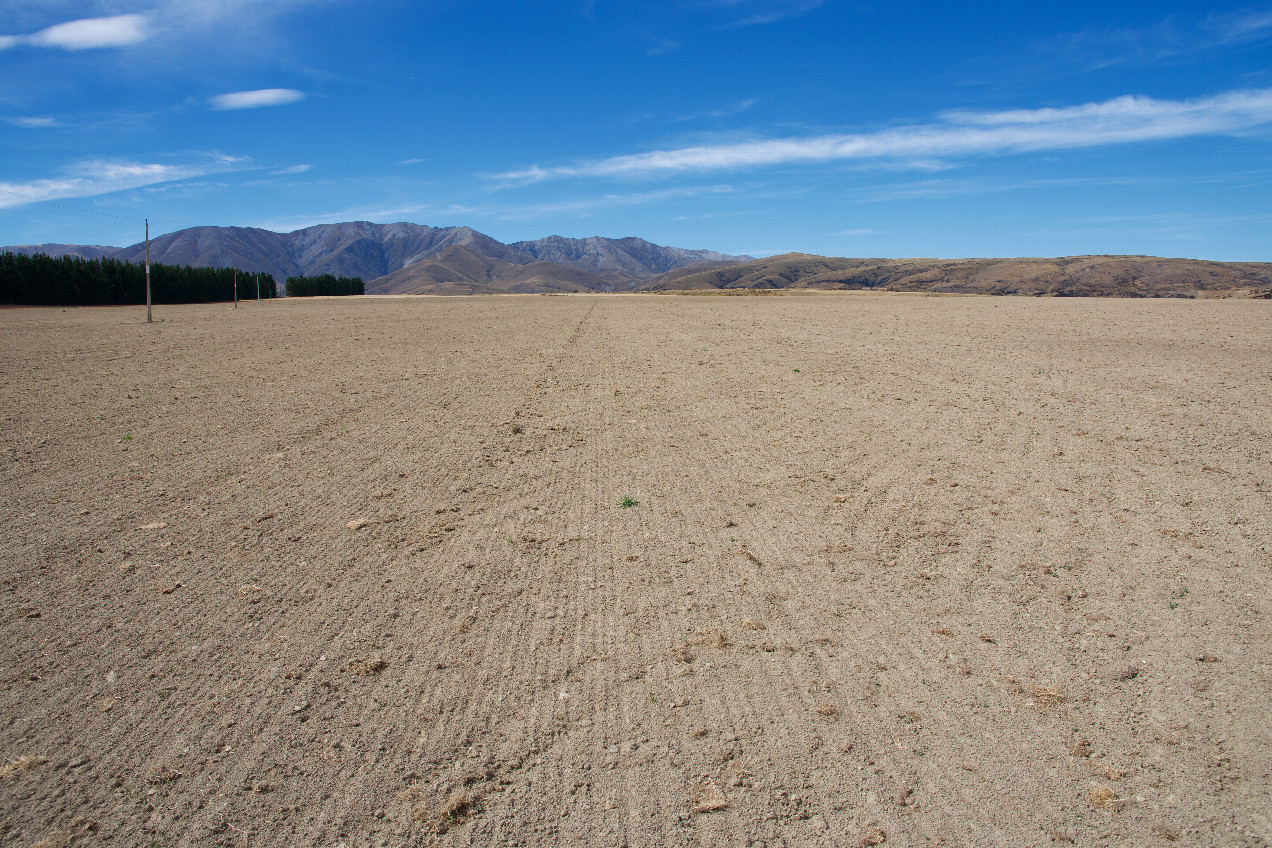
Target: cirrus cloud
92, 177
32, 122
256, 99
959, 134
86, 34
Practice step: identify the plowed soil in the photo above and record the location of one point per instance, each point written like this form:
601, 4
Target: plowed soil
637, 570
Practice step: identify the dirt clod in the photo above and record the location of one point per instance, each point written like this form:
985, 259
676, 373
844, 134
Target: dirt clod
871, 838
683, 654
709, 798
20, 764
1047, 696
458, 808
1104, 798
366, 666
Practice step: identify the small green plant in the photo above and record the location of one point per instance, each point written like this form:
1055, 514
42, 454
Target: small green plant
627, 501
127, 437
796, 370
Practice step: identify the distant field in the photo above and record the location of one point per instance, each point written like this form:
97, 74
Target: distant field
638, 570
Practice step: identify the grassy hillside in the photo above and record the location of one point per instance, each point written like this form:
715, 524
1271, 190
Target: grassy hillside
1097, 276
458, 270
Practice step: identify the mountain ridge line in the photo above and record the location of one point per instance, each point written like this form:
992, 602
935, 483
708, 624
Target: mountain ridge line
406, 258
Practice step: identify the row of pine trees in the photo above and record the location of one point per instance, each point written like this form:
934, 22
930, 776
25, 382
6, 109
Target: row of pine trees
42, 280
324, 284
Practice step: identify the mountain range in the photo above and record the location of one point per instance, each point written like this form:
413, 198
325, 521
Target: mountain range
414, 259
443, 259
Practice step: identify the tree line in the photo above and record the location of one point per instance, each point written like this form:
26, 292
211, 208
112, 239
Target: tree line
324, 284
42, 280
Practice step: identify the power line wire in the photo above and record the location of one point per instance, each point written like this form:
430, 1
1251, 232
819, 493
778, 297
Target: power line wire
72, 208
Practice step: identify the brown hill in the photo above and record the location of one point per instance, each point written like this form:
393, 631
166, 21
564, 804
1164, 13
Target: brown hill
551, 277
656, 283
458, 270
1070, 276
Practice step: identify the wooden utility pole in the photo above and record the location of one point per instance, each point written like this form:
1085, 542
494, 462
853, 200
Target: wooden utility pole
258, 288
236, 288
149, 320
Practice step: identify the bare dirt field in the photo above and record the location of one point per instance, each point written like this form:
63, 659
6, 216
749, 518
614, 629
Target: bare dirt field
892, 569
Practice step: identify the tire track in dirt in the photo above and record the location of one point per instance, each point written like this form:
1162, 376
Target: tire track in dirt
451, 739
265, 720
952, 597
671, 632
456, 715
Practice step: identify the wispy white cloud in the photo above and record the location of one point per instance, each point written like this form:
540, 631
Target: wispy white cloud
86, 34
184, 188
960, 134
663, 46
34, 123
721, 15
938, 189
864, 231
375, 214
583, 206
732, 109
177, 21
760, 12
294, 169
256, 99
94, 177
1096, 49
943, 188
707, 216
1167, 218
412, 161
1235, 27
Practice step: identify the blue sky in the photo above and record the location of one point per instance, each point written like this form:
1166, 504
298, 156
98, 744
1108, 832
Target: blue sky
744, 126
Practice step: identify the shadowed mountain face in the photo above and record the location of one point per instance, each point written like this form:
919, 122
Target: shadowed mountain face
458, 270
617, 258
1070, 276
357, 249
376, 251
